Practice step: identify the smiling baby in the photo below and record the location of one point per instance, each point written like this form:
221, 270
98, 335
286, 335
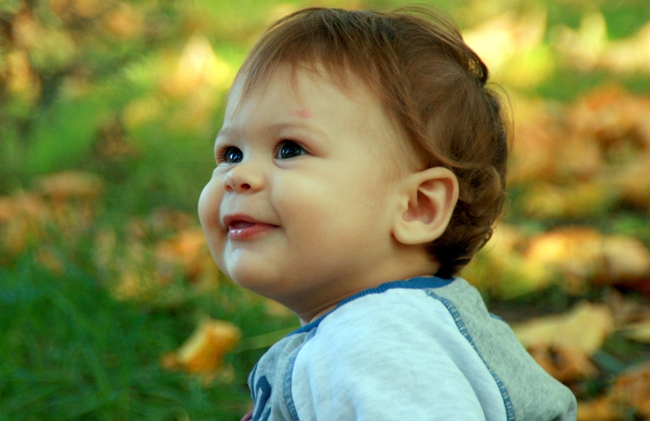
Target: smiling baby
360, 166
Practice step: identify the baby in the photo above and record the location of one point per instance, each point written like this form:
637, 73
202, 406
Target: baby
361, 164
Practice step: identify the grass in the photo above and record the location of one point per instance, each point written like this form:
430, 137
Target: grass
70, 351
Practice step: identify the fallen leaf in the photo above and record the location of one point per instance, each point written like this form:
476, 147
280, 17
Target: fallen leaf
632, 183
583, 255
562, 344
615, 121
182, 251
584, 328
626, 260
501, 269
204, 351
575, 252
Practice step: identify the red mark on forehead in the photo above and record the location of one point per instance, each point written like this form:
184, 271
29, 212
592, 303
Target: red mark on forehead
302, 113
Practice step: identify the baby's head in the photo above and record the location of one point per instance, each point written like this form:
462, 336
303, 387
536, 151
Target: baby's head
357, 148
431, 86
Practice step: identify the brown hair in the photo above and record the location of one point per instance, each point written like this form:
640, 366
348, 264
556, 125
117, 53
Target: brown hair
430, 83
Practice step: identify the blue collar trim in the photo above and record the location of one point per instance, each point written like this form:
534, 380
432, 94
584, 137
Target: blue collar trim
420, 282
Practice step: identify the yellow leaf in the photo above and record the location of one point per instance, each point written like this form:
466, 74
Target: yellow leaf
626, 259
582, 254
563, 344
204, 351
584, 329
575, 252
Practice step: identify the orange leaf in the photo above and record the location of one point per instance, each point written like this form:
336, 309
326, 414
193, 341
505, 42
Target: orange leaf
204, 351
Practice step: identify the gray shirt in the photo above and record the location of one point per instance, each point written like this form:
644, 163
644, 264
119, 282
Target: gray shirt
422, 349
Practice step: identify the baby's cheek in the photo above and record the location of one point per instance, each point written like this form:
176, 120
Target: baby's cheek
209, 204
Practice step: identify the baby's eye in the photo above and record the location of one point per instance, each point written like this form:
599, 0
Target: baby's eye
230, 155
290, 149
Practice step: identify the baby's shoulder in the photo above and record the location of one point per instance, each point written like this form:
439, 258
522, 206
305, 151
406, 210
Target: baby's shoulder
387, 355
393, 320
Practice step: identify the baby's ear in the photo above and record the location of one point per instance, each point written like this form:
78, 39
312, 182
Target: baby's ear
427, 203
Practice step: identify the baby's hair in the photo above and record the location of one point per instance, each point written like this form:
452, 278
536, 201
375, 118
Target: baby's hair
431, 85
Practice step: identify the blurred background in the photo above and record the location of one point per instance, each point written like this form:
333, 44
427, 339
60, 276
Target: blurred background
110, 305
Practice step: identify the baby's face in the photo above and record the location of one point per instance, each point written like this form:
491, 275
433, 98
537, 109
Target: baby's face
299, 207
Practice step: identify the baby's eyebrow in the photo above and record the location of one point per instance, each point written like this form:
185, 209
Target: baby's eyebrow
230, 132
226, 132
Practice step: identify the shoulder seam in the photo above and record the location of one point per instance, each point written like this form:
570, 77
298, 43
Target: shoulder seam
288, 378
420, 282
460, 324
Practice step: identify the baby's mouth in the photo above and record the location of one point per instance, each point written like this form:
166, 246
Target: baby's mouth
234, 225
243, 227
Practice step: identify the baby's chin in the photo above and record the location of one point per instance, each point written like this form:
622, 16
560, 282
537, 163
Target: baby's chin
263, 284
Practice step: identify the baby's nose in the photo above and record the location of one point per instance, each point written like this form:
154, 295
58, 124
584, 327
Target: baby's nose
242, 179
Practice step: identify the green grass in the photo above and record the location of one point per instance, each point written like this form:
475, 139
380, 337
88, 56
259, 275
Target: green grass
69, 351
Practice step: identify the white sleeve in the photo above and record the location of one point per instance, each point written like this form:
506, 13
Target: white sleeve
394, 362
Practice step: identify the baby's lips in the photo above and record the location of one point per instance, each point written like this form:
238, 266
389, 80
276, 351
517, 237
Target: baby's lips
240, 224
239, 219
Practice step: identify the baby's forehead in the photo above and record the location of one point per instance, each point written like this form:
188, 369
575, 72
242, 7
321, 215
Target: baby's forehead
342, 77
305, 83
297, 80
293, 80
